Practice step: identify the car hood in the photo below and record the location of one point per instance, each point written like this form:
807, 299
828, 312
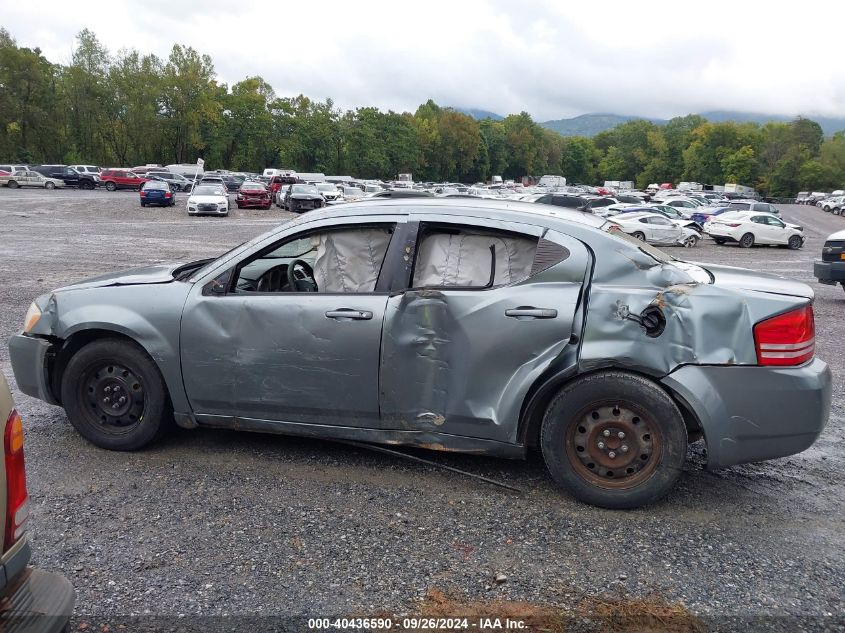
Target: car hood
156, 274
207, 199
744, 279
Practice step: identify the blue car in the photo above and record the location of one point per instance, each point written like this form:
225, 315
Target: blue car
705, 213
157, 192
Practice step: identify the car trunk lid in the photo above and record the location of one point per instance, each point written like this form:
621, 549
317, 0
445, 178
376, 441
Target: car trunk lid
744, 279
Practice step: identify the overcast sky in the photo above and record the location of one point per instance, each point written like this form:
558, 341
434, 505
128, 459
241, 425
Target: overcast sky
551, 59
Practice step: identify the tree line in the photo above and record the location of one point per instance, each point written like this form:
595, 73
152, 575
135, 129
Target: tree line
130, 108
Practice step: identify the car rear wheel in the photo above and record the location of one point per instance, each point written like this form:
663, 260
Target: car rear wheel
639, 235
13, 184
720, 240
614, 440
746, 241
49, 185
794, 243
111, 186
115, 396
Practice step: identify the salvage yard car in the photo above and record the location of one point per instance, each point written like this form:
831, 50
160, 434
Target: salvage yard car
33, 600
253, 194
210, 199
157, 192
29, 178
467, 325
656, 228
831, 269
748, 228
299, 198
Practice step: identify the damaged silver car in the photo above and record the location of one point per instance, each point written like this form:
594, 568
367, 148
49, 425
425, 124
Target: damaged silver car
465, 325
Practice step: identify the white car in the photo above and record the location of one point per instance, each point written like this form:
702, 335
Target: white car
748, 228
330, 192
655, 228
208, 199
29, 178
753, 205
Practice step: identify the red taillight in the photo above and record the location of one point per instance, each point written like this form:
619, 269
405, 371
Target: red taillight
143, 194
166, 194
17, 498
786, 339
733, 226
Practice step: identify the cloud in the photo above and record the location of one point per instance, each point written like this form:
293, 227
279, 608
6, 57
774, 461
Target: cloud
548, 58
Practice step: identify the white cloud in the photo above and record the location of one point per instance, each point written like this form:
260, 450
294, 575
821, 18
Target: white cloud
552, 59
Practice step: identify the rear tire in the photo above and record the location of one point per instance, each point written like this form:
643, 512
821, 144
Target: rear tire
13, 184
639, 235
110, 186
583, 450
141, 411
746, 241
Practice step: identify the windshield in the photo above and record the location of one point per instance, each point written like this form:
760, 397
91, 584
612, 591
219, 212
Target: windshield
208, 191
352, 191
304, 189
330, 188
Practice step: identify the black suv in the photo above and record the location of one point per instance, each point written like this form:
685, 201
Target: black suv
69, 175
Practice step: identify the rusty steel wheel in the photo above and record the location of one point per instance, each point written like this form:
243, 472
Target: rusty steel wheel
614, 446
614, 439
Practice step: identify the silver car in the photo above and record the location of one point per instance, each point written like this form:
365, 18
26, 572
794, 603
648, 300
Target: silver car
465, 325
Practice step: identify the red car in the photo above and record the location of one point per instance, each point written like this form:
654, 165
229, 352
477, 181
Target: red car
276, 183
253, 194
113, 179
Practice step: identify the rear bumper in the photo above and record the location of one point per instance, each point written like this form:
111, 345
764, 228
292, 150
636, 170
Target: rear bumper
29, 364
750, 413
37, 602
829, 272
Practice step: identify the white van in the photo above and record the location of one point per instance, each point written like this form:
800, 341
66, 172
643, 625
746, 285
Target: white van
272, 171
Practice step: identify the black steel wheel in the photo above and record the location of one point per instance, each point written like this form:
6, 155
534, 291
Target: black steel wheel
115, 396
614, 440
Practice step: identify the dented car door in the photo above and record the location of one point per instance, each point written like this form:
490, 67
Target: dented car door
488, 308
262, 351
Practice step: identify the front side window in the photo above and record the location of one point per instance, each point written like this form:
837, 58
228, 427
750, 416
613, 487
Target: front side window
338, 261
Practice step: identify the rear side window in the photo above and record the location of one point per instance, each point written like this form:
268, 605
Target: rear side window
474, 258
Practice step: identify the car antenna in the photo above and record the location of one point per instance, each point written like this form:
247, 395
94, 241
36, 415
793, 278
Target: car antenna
414, 458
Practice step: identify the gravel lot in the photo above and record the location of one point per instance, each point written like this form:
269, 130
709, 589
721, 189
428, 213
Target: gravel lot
216, 522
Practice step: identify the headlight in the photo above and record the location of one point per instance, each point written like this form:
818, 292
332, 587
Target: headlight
31, 318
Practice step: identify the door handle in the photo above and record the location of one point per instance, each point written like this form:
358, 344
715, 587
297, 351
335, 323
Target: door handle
528, 312
343, 314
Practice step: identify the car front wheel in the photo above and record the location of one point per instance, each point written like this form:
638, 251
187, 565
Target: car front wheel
115, 396
49, 185
110, 186
614, 440
794, 243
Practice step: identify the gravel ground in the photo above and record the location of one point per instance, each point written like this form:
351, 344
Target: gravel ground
224, 523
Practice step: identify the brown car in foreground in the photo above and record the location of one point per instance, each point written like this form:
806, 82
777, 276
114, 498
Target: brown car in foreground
32, 600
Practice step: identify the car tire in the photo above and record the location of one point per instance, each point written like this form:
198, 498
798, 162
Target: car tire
835, 211
746, 241
691, 241
720, 240
581, 429
794, 243
105, 367
638, 235
88, 185
49, 185
826, 209
110, 186
143, 204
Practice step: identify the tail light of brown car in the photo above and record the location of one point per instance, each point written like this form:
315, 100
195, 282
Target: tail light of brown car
17, 497
787, 339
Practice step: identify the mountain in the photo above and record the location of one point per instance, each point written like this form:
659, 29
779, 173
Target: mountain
592, 124
475, 113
